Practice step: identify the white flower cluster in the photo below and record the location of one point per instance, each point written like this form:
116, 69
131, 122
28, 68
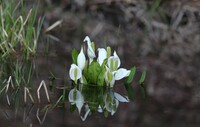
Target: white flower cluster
112, 73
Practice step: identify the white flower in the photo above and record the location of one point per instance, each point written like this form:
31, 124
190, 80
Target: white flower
81, 60
112, 71
75, 72
114, 62
102, 55
75, 97
109, 77
112, 100
121, 73
90, 50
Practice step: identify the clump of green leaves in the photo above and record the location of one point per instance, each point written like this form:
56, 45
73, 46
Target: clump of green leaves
101, 71
19, 34
90, 78
19, 31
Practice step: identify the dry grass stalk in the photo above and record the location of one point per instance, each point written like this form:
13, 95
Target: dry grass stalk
46, 91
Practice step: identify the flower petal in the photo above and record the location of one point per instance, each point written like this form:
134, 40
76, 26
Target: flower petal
102, 55
108, 106
79, 105
70, 96
109, 61
112, 83
100, 109
111, 103
75, 97
87, 39
81, 60
87, 111
117, 58
90, 51
109, 78
121, 98
115, 106
121, 73
114, 62
75, 72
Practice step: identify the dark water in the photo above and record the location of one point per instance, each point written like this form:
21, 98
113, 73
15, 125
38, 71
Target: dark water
148, 112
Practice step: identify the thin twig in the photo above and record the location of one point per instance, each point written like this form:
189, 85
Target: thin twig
25, 115
58, 101
8, 100
29, 13
26, 90
7, 87
46, 91
8, 83
54, 25
44, 117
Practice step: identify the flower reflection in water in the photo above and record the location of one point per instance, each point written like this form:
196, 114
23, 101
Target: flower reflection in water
89, 99
95, 78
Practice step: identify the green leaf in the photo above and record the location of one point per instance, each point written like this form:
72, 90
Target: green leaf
101, 81
129, 79
85, 70
72, 108
143, 90
106, 113
128, 86
154, 7
141, 83
84, 80
130, 91
94, 70
74, 56
108, 52
142, 78
93, 95
93, 46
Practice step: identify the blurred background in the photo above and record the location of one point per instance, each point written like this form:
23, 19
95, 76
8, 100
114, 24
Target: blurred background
161, 36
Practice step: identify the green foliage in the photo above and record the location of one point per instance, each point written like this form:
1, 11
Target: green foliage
101, 81
19, 34
128, 84
93, 72
72, 107
129, 79
74, 56
141, 83
108, 52
94, 96
154, 7
142, 78
130, 91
